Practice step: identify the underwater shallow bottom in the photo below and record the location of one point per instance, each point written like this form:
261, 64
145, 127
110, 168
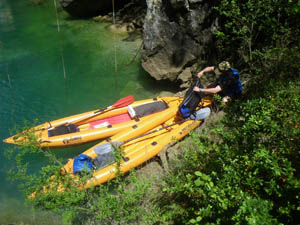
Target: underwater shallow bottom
52, 67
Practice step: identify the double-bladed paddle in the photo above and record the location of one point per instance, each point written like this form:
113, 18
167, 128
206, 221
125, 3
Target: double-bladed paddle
119, 104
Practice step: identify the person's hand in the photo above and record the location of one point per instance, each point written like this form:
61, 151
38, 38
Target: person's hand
196, 89
200, 74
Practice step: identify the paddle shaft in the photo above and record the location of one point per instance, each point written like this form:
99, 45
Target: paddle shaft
204, 113
92, 115
119, 104
115, 144
159, 129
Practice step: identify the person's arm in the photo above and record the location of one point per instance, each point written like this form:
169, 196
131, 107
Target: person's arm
209, 90
205, 70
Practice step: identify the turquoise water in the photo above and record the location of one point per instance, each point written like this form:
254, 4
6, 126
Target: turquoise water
33, 85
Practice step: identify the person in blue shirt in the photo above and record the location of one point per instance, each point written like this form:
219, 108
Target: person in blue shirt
227, 85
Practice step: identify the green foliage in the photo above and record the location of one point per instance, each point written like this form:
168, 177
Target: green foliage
250, 26
22, 153
254, 211
246, 172
121, 201
217, 101
36, 2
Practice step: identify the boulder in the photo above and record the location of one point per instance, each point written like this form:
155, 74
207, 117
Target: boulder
177, 34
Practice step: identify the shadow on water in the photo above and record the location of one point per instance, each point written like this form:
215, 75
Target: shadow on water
156, 86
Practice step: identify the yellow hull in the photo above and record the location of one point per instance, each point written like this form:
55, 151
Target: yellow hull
139, 150
86, 132
145, 149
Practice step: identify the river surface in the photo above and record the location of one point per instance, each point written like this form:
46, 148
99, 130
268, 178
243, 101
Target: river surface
48, 72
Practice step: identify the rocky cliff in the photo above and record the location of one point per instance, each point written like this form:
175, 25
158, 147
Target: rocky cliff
177, 34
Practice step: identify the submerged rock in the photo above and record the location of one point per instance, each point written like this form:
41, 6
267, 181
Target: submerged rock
90, 8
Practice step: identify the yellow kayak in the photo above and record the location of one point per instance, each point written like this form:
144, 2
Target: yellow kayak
137, 145
141, 127
97, 124
137, 151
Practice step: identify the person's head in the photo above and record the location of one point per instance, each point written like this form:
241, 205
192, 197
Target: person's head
223, 67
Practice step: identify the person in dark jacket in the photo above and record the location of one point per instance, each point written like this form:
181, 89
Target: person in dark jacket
227, 85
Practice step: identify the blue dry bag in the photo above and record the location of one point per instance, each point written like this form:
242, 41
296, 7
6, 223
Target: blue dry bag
184, 111
191, 100
82, 163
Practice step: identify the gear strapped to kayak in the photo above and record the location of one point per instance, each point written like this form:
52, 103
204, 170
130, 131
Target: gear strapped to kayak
85, 163
135, 112
82, 163
191, 100
62, 129
104, 157
105, 152
147, 109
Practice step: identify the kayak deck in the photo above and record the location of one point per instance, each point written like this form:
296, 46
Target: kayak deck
110, 121
134, 152
64, 132
138, 144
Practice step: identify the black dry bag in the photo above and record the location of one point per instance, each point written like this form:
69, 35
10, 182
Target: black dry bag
191, 100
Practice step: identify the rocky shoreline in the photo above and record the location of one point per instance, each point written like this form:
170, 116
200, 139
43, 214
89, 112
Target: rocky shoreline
178, 36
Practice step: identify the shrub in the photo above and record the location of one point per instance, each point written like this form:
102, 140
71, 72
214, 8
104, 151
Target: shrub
247, 173
122, 200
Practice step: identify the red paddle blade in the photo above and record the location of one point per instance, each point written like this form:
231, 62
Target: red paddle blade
124, 102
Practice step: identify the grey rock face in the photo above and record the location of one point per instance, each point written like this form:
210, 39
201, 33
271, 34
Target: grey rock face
177, 33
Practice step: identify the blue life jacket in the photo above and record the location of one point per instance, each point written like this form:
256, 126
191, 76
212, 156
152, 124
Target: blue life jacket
238, 89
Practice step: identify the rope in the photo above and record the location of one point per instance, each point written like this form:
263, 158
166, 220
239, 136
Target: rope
60, 41
113, 7
115, 48
136, 54
57, 21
